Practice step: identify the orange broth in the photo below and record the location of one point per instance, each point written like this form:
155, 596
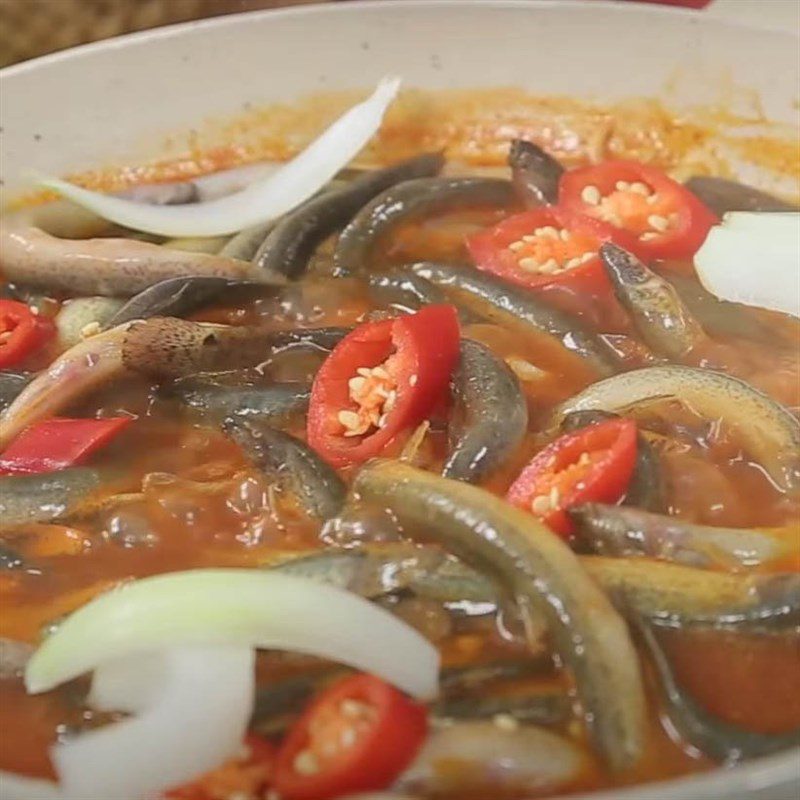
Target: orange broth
193, 500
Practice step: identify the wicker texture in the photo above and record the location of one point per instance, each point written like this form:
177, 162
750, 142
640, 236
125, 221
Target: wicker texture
30, 28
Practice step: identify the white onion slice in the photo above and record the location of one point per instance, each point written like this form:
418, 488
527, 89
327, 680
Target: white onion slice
779, 222
21, 787
126, 684
754, 258
220, 184
268, 198
193, 717
237, 607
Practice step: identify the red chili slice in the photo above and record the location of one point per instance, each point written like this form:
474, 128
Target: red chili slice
544, 246
381, 379
357, 737
58, 443
594, 464
21, 332
554, 252
660, 217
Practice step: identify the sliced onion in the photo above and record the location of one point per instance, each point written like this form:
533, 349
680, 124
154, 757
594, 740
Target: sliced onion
21, 787
268, 198
779, 222
754, 258
195, 705
127, 684
236, 607
220, 184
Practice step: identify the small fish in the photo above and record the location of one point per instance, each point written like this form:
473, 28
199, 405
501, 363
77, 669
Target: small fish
540, 572
166, 347
490, 416
275, 401
621, 531
402, 285
534, 173
501, 302
672, 595
109, 267
177, 297
408, 201
663, 321
529, 707
40, 498
289, 245
292, 463
369, 572
766, 428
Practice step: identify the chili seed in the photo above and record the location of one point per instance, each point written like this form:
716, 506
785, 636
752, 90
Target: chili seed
540, 504
353, 708
658, 222
529, 264
357, 384
515, 246
305, 763
412, 381
648, 236
591, 195
349, 419
555, 497
640, 188
622, 186
348, 737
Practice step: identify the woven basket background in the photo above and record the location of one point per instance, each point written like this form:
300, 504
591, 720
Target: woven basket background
30, 28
